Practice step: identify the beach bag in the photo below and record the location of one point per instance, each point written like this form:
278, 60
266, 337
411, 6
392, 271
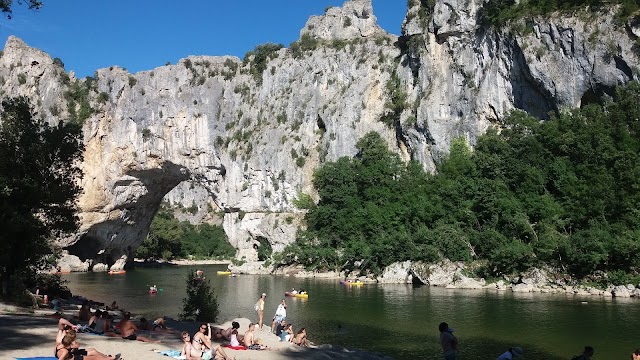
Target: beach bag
257, 306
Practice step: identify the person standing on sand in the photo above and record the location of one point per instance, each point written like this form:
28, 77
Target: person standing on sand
281, 314
260, 309
448, 342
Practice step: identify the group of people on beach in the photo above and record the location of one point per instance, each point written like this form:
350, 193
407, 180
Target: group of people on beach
279, 324
449, 345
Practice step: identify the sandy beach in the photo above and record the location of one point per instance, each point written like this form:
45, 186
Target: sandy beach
28, 333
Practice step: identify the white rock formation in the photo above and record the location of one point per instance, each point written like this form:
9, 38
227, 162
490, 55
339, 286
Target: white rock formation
243, 139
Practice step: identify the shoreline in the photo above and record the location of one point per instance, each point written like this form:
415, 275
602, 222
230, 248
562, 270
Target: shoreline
37, 330
450, 275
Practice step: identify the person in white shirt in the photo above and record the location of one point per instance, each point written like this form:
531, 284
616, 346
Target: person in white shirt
513, 352
281, 314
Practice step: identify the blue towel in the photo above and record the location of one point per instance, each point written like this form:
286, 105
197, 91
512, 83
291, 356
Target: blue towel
40, 358
171, 353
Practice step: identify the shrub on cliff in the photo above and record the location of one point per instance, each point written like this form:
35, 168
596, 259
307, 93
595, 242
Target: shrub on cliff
38, 188
200, 303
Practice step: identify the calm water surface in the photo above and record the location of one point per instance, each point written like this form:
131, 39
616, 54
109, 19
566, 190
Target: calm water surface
397, 320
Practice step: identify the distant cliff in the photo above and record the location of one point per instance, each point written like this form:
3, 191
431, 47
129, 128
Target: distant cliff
241, 138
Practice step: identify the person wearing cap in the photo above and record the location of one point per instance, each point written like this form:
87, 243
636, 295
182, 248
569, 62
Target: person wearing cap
260, 309
448, 342
511, 353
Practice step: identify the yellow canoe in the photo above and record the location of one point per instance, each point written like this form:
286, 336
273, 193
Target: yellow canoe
302, 296
224, 272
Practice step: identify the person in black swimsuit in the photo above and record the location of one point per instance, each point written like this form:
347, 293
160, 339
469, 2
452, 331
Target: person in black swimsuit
67, 350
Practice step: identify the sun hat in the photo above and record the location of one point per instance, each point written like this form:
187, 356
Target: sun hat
264, 294
517, 351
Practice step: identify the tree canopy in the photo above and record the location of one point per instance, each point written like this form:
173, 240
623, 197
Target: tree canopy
38, 187
169, 238
6, 6
564, 192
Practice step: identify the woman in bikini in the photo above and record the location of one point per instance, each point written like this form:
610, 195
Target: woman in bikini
68, 349
198, 349
301, 338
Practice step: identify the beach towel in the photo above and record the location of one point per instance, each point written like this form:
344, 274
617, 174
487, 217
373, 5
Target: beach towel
235, 347
172, 353
39, 358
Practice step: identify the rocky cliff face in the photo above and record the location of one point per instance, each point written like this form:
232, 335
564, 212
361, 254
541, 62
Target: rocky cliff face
216, 134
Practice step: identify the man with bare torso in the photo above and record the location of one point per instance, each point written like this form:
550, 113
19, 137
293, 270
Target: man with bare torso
128, 330
250, 340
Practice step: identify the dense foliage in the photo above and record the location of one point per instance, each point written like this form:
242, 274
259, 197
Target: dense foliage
38, 186
565, 192
498, 12
169, 238
200, 303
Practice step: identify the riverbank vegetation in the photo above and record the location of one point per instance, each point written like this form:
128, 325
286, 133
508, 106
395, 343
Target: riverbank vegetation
170, 238
39, 181
201, 303
563, 193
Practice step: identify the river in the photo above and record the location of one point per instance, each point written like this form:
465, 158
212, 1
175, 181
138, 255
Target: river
397, 320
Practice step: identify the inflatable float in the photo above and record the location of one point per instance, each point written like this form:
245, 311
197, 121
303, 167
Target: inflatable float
302, 296
349, 282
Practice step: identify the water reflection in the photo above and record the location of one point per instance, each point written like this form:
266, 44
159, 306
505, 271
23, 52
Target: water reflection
395, 319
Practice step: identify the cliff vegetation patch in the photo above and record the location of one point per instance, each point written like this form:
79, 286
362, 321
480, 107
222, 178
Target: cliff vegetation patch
563, 193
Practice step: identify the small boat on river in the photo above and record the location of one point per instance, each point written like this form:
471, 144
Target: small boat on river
351, 282
224, 273
302, 296
117, 272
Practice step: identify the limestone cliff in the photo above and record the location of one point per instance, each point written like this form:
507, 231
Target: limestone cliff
242, 138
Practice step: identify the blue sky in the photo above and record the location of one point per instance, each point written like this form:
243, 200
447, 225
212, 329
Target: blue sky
144, 34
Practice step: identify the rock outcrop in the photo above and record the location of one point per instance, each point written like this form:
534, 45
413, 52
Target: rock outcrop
242, 138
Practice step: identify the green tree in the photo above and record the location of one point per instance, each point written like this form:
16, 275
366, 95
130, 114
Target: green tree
7, 5
200, 303
38, 187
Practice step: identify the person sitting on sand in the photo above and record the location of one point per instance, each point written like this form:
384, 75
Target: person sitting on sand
63, 328
68, 348
128, 330
84, 314
280, 327
250, 340
233, 339
287, 334
190, 352
202, 341
114, 306
102, 324
301, 338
